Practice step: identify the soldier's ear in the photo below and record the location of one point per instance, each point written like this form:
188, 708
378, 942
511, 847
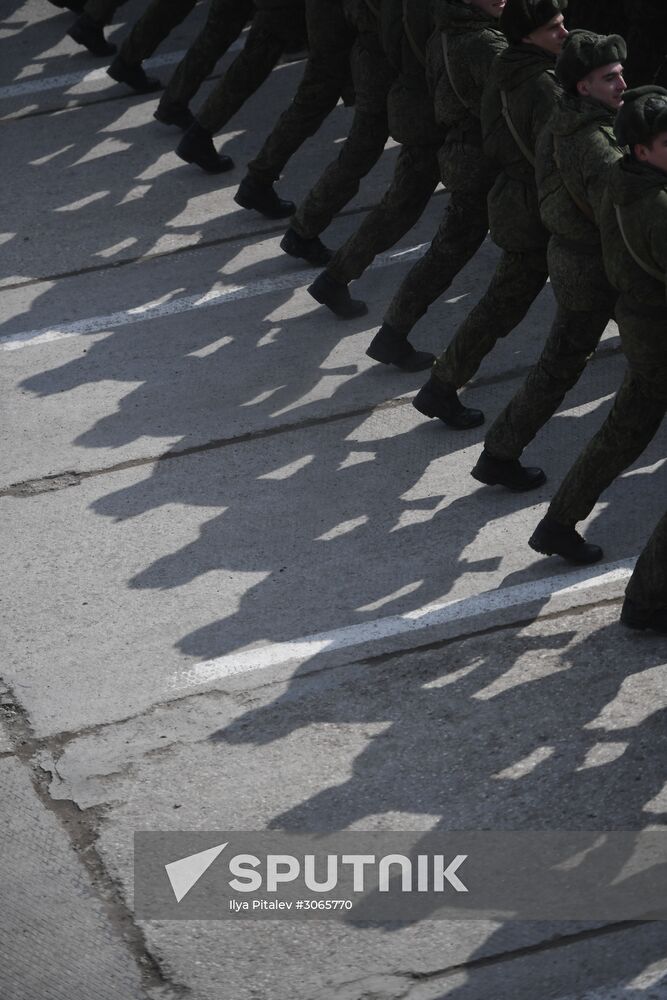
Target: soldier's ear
640, 152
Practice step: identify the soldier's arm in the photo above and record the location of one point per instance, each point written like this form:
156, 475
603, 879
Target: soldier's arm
599, 156
547, 93
657, 234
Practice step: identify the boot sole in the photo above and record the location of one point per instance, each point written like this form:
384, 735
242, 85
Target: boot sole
196, 163
319, 262
338, 315
109, 51
547, 551
490, 481
247, 203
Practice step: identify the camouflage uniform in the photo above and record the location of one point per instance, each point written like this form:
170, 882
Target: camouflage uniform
278, 25
102, 11
525, 74
326, 78
647, 586
224, 23
639, 193
372, 76
162, 16
472, 40
580, 137
412, 123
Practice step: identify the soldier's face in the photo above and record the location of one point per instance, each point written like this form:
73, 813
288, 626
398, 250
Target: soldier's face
549, 36
655, 154
493, 8
606, 85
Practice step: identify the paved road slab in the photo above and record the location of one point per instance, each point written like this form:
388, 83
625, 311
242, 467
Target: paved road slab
556, 725
159, 567
58, 942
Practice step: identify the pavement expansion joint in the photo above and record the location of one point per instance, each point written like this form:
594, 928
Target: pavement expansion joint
80, 827
62, 480
277, 229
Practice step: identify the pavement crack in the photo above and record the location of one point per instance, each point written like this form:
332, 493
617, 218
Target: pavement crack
80, 826
62, 480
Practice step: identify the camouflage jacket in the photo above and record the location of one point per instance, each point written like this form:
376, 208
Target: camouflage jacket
471, 40
522, 79
638, 193
406, 27
575, 152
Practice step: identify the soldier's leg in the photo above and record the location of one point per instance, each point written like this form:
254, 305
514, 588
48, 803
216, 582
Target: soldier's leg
264, 45
157, 21
460, 235
415, 178
88, 29
361, 150
632, 424
518, 280
316, 97
573, 338
225, 22
647, 587
102, 11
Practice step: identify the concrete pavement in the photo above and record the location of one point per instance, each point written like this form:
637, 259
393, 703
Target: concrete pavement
252, 588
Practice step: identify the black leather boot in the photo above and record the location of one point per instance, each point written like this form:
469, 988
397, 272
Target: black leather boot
551, 538
435, 399
509, 473
335, 296
313, 250
391, 348
196, 146
134, 76
634, 616
171, 113
88, 33
253, 194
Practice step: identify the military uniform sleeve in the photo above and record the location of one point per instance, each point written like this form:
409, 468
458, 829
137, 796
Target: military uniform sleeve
600, 155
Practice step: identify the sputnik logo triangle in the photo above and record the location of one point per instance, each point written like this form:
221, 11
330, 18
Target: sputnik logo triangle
184, 873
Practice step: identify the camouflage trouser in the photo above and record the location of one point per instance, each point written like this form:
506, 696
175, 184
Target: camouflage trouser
363, 147
325, 76
518, 280
224, 23
415, 179
586, 303
102, 11
647, 586
157, 21
632, 424
315, 98
271, 33
461, 233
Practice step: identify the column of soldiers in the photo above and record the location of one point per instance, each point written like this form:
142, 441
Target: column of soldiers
521, 109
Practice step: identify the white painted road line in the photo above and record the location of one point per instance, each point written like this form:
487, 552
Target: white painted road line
89, 76
214, 297
573, 586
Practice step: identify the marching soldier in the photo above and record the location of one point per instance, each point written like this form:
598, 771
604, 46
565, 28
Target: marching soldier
406, 29
372, 76
88, 29
634, 242
326, 77
459, 57
277, 27
518, 99
224, 23
157, 22
575, 152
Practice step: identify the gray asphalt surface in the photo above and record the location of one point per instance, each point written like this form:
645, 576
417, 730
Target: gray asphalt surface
250, 587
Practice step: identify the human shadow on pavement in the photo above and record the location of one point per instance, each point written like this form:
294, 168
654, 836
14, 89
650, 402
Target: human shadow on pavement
556, 725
